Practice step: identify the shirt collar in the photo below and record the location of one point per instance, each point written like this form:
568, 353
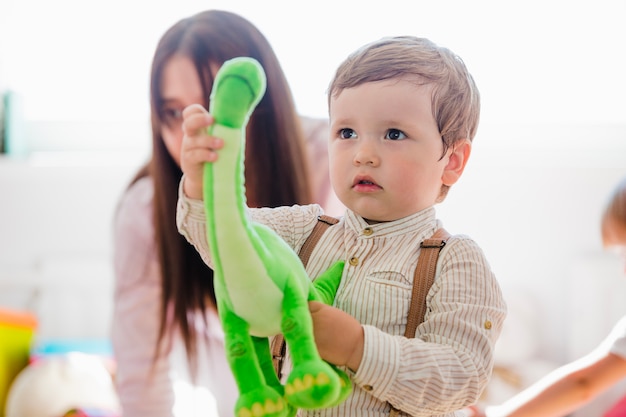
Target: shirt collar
423, 224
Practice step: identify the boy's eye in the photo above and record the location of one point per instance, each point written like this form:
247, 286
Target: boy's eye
347, 133
395, 134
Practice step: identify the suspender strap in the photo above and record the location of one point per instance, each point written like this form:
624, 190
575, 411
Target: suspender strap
423, 278
422, 281
309, 244
278, 346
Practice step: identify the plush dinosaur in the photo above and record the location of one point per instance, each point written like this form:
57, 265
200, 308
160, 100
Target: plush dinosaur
261, 286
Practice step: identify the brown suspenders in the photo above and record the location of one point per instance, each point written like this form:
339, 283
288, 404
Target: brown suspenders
423, 279
323, 222
278, 343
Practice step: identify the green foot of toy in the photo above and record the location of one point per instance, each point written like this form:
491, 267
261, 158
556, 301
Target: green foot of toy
263, 402
345, 387
312, 385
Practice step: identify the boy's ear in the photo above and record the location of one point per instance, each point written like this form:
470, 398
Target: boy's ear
456, 162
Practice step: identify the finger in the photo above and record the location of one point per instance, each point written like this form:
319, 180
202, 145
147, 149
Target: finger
193, 109
201, 142
196, 122
199, 155
315, 306
215, 143
471, 411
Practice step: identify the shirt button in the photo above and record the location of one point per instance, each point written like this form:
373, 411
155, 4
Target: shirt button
354, 261
487, 324
368, 387
368, 231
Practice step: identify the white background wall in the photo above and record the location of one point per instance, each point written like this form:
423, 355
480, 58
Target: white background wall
536, 217
551, 145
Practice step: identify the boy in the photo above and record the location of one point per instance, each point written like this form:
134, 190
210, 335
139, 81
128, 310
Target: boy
403, 112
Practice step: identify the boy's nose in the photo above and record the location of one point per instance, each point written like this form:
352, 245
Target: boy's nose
366, 155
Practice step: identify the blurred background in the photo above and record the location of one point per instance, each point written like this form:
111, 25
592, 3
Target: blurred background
550, 147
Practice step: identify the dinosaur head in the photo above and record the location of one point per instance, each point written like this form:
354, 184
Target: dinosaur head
238, 87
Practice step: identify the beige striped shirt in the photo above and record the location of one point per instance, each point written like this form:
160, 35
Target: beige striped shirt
448, 364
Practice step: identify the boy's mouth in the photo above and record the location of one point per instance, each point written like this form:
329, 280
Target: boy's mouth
364, 181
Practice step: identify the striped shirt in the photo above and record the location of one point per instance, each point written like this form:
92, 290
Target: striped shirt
449, 362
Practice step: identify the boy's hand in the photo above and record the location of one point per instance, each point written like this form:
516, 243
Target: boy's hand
338, 335
197, 148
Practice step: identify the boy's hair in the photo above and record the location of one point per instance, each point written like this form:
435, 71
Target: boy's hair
455, 99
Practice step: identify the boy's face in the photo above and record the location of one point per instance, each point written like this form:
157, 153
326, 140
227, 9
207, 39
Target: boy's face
385, 150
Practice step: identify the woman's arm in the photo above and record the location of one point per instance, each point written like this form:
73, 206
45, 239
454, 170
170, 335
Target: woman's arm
144, 387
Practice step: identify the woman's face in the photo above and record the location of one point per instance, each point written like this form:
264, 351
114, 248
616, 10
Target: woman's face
180, 87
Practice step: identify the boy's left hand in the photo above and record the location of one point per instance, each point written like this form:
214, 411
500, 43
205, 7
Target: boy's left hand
338, 336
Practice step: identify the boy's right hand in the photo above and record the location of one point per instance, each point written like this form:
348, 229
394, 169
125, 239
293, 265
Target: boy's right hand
197, 148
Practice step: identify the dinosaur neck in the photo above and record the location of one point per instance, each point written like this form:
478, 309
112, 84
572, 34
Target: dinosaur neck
224, 194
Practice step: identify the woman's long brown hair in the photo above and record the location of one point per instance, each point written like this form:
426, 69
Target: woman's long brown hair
276, 165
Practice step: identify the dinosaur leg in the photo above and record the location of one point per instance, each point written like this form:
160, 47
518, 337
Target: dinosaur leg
262, 347
256, 397
324, 289
325, 286
312, 383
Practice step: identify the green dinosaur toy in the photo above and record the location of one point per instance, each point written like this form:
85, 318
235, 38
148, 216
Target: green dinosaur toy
261, 286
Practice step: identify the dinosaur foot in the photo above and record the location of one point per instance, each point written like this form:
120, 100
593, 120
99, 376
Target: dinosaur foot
263, 402
345, 386
313, 384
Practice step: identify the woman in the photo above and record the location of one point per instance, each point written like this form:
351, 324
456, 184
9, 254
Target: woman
166, 335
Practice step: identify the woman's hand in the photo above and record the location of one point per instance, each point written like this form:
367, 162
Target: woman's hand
338, 336
197, 148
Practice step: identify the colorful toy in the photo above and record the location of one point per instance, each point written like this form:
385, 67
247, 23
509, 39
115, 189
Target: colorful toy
17, 329
90, 412
261, 286
52, 385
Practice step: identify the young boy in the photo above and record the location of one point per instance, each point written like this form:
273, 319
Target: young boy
403, 112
